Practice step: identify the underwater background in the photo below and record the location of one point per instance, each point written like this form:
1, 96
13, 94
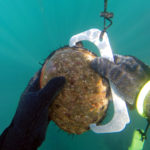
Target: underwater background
31, 29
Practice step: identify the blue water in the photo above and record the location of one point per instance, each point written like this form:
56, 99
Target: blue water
31, 29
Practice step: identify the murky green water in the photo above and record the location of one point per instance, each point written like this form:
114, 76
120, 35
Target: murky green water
31, 29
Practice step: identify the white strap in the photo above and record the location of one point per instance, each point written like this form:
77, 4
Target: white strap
121, 117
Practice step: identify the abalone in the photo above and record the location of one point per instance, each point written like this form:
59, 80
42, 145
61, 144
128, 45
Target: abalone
83, 100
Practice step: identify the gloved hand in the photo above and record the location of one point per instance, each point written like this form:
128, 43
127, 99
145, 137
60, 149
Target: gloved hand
127, 73
28, 128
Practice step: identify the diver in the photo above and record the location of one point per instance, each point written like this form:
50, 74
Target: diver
28, 127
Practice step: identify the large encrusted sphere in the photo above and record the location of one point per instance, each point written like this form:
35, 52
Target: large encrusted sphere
83, 100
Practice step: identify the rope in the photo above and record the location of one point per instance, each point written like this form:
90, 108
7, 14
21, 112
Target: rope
107, 16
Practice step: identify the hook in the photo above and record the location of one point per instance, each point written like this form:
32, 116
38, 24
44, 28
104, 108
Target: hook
107, 16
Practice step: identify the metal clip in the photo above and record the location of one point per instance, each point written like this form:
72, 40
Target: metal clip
121, 117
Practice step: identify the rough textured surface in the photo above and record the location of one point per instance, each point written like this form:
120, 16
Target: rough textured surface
83, 100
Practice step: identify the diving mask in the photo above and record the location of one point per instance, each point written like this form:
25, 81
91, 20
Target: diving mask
121, 117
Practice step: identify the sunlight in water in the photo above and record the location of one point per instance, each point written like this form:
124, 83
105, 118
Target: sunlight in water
31, 29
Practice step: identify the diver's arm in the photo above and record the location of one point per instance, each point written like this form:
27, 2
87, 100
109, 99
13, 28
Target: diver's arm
127, 73
28, 128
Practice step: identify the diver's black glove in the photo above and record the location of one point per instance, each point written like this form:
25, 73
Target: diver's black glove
127, 73
28, 128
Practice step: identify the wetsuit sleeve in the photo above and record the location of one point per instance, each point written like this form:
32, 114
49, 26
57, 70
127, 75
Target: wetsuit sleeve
127, 73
